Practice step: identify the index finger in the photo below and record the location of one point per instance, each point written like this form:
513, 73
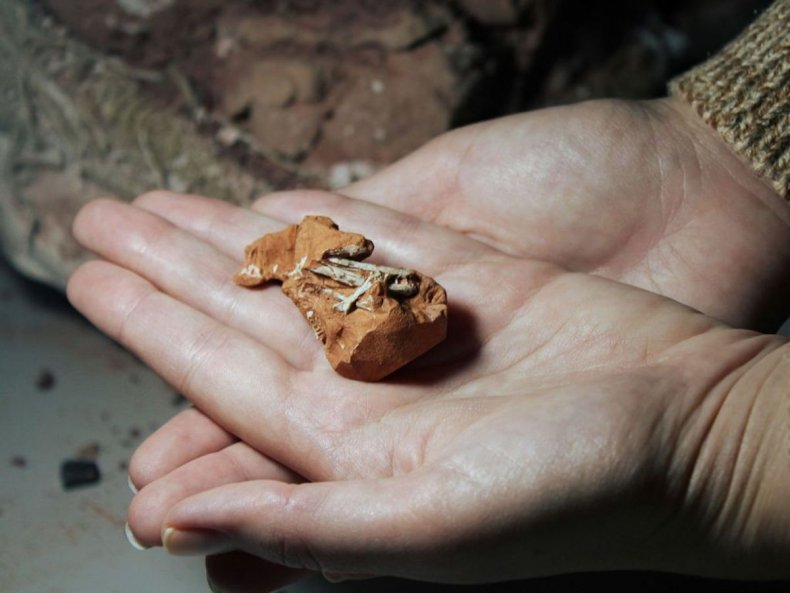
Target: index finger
401, 240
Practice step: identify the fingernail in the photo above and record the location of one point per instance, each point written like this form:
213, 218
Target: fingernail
132, 539
132, 487
202, 542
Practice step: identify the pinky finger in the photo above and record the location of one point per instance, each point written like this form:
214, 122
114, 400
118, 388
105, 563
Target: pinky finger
234, 464
187, 436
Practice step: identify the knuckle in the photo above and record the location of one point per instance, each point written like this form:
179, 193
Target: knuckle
290, 545
295, 553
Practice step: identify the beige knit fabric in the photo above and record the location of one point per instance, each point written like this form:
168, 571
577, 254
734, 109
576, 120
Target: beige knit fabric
743, 92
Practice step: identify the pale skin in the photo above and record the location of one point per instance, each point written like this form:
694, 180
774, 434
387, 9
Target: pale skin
571, 421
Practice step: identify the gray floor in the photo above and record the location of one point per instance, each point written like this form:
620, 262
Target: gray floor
57, 541
103, 402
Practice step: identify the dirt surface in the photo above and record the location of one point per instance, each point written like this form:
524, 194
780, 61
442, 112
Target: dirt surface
234, 98
316, 83
326, 83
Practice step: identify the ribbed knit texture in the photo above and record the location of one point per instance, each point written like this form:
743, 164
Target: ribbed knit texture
743, 92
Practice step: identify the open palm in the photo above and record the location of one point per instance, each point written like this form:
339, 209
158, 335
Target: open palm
546, 423
641, 192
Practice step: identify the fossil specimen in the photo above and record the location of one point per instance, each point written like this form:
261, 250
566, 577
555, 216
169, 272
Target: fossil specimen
371, 319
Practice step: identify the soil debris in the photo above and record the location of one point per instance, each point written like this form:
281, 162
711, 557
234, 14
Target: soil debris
45, 380
75, 473
18, 462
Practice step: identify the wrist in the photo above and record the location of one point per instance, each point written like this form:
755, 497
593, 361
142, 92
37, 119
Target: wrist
762, 493
720, 160
742, 93
731, 225
734, 464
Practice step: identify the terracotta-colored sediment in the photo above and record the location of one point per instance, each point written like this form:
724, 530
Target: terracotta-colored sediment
371, 319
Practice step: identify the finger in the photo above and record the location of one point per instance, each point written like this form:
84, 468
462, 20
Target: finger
461, 265
451, 183
244, 386
391, 526
187, 436
223, 225
195, 273
423, 183
223, 372
236, 463
471, 272
400, 239
228, 228
430, 524
237, 572
517, 183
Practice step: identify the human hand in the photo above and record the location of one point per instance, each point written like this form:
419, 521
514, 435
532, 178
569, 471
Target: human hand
574, 406
640, 192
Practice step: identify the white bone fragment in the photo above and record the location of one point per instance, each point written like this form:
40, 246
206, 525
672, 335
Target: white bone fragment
343, 276
298, 267
347, 303
360, 265
251, 271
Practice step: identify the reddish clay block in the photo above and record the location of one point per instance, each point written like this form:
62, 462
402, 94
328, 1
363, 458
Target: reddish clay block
371, 319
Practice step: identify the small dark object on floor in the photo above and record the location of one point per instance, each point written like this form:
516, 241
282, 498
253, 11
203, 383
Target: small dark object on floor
89, 452
75, 473
45, 380
123, 466
135, 432
19, 462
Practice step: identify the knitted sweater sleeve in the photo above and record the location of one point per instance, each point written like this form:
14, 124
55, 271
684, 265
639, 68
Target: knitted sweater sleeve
743, 93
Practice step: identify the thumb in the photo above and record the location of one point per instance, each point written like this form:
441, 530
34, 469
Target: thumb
382, 526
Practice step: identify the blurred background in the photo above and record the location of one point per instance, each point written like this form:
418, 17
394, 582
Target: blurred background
232, 99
